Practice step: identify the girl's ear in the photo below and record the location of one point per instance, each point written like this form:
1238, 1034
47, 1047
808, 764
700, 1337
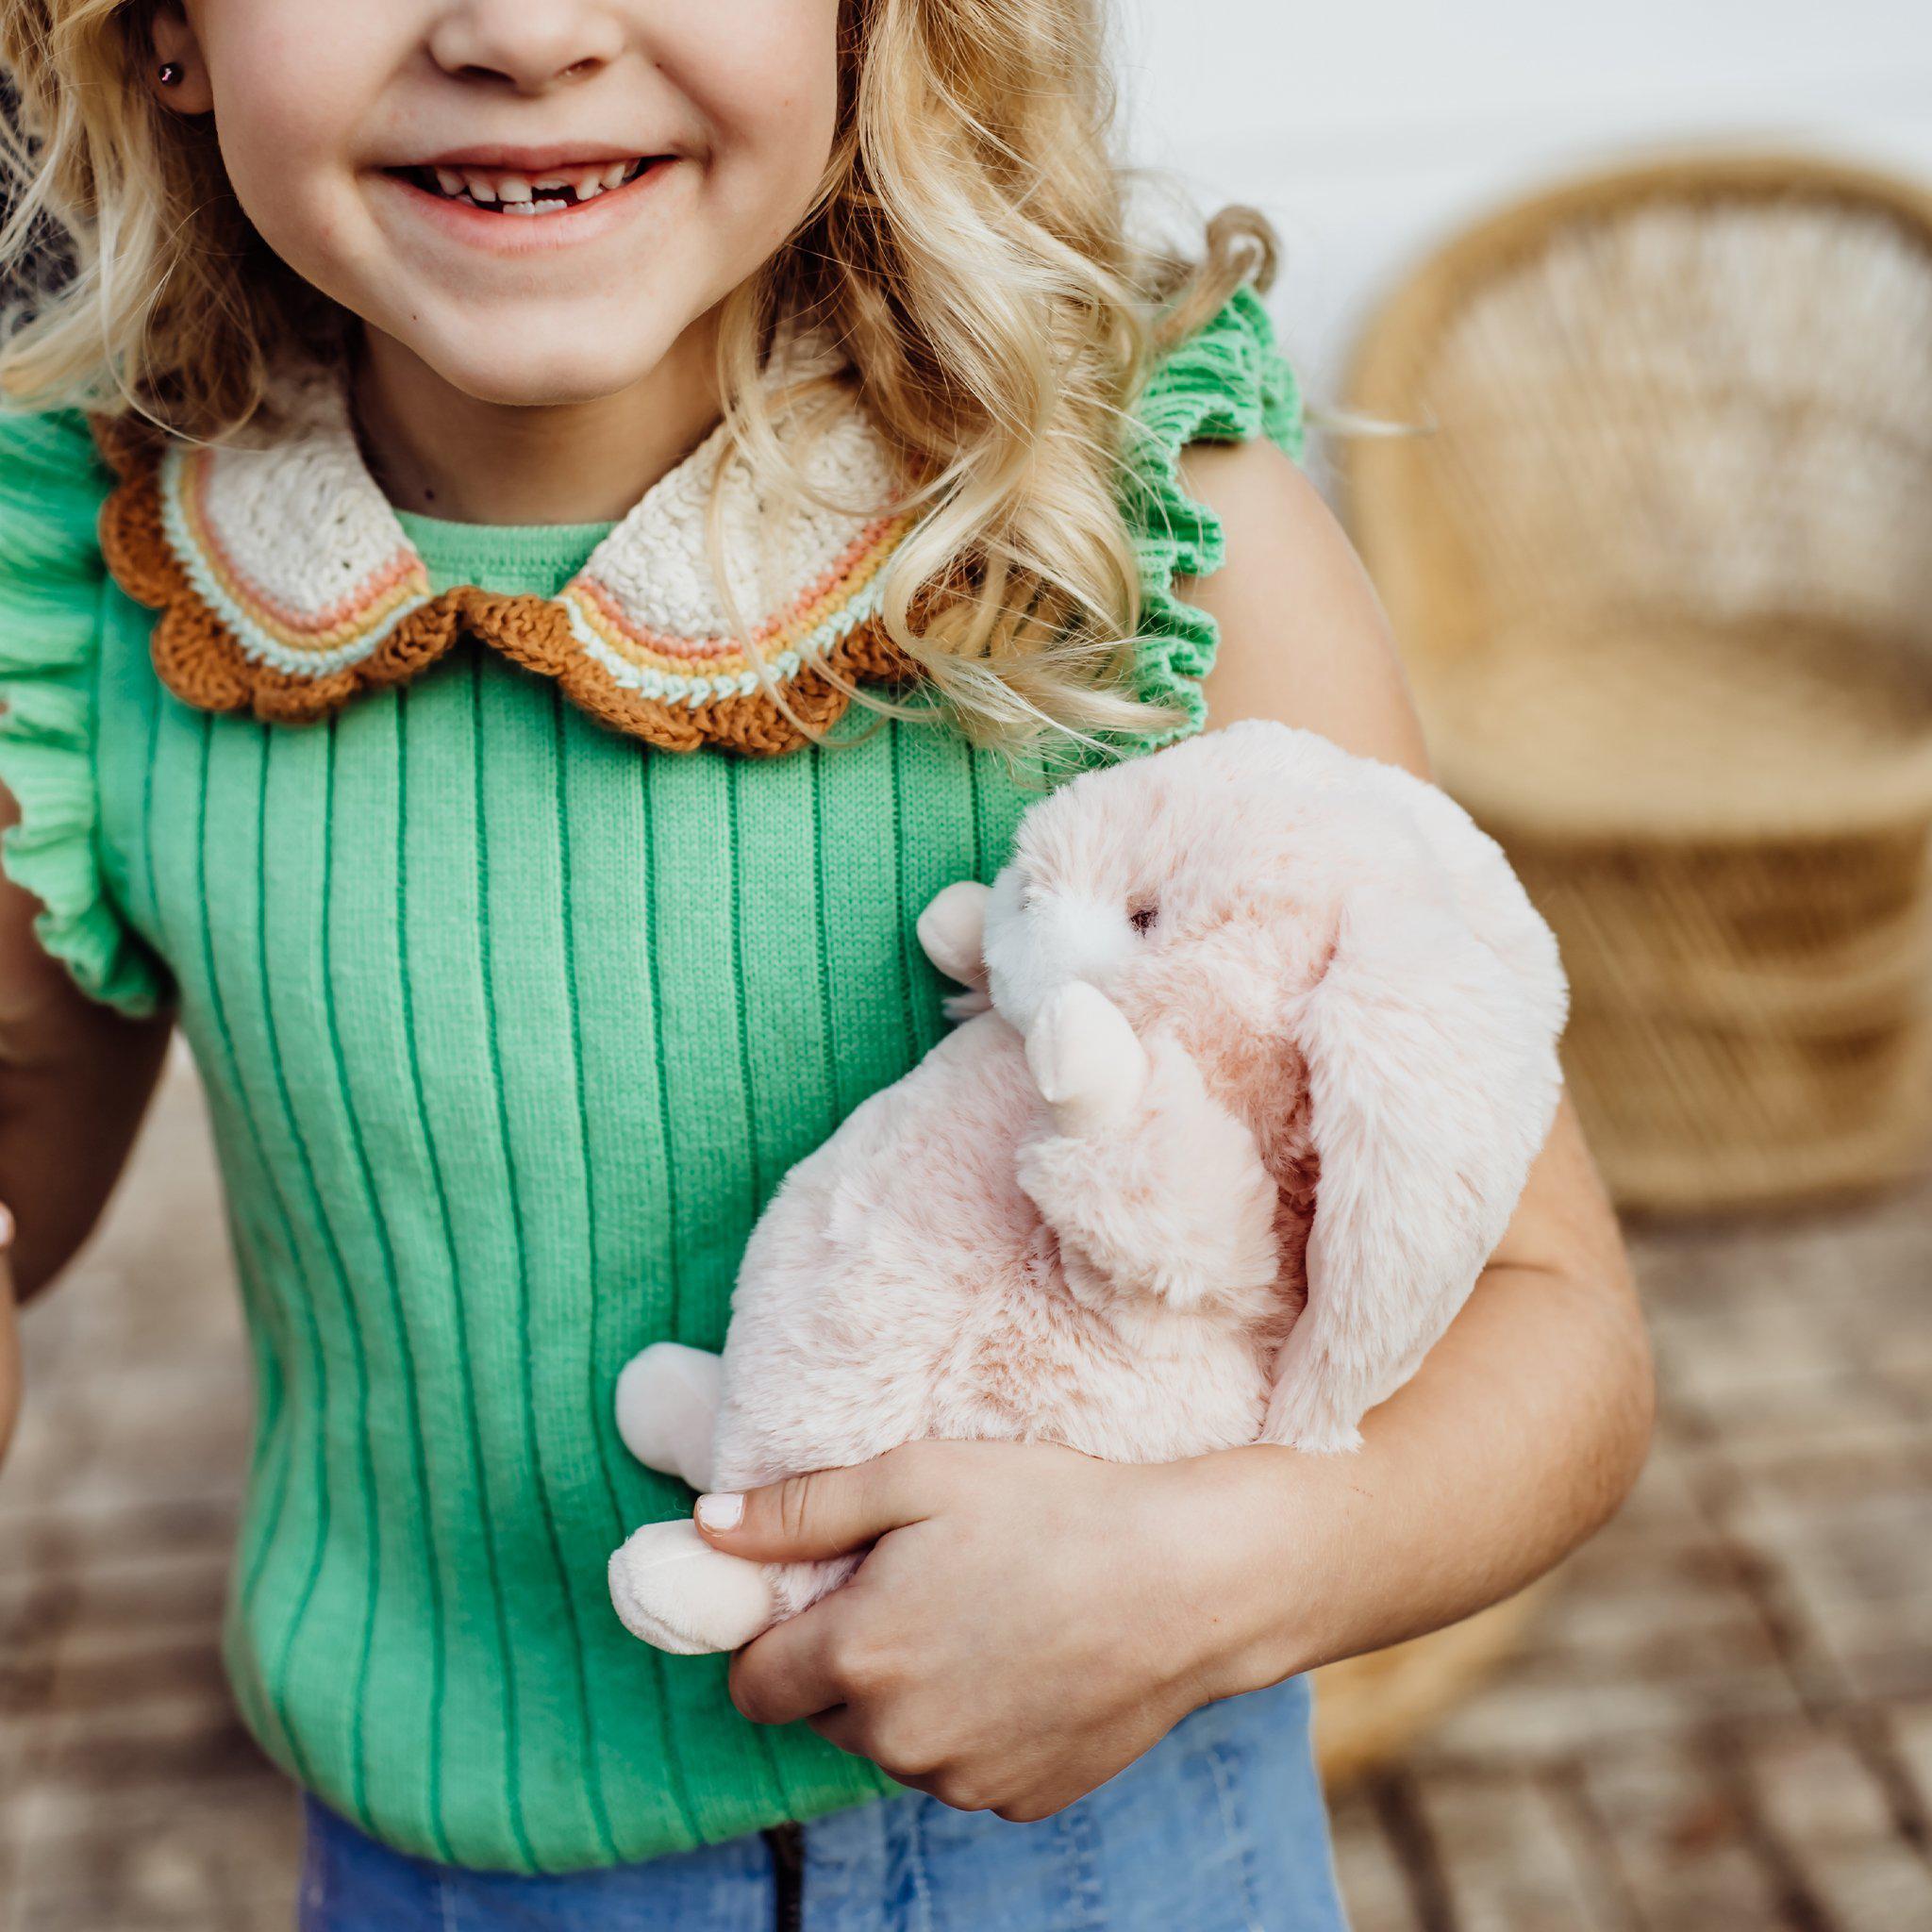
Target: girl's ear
1431, 1047
177, 74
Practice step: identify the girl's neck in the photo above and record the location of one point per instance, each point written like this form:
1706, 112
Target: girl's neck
437, 450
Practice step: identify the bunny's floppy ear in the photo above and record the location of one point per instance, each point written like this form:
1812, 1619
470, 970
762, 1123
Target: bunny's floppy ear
1430, 1040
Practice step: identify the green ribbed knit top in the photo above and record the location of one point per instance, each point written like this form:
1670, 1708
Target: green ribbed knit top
510, 1024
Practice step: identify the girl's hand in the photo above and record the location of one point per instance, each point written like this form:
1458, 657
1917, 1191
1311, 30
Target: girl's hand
1029, 1621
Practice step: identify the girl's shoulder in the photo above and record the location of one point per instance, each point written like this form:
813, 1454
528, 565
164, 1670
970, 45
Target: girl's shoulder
1227, 382
1298, 633
53, 481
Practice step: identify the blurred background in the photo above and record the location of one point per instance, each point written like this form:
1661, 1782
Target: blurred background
1369, 131
1659, 552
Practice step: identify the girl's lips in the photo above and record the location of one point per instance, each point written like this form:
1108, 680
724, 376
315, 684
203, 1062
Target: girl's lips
505, 234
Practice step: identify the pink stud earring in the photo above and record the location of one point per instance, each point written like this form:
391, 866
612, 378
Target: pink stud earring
170, 73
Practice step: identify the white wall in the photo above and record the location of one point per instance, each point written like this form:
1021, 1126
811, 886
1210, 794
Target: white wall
1365, 128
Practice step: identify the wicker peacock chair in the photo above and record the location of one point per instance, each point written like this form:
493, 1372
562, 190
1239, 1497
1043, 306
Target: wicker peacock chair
1661, 564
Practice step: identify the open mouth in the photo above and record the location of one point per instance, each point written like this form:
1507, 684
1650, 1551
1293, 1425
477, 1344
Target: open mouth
507, 192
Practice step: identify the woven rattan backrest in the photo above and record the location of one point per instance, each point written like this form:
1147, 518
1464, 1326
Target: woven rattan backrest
1706, 385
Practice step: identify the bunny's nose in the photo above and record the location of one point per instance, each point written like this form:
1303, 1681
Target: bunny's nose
1085, 938
1046, 940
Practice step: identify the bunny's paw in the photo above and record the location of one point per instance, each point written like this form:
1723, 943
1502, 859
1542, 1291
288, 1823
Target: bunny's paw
666, 1409
1087, 1060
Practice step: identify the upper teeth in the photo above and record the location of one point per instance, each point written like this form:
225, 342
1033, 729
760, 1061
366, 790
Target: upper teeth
506, 189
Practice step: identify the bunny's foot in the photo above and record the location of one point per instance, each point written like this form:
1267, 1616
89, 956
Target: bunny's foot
671, 1588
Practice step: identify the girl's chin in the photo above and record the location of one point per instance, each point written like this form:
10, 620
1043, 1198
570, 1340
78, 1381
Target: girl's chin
555, 360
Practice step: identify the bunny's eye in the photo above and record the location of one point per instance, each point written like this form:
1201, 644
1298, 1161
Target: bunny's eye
1143, 920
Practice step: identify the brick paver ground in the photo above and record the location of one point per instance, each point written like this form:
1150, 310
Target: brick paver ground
1723, 1718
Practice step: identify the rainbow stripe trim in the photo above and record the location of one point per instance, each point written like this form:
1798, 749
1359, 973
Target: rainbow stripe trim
298, 645
655, 664
660, 666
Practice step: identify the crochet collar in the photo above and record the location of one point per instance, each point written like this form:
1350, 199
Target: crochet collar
287, 585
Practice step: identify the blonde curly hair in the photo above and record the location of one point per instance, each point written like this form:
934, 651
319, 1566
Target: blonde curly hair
966, 249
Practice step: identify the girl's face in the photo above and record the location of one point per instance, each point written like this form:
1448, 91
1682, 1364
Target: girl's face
534, 197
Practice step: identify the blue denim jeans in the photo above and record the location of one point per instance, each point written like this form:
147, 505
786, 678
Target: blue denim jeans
1219, 1828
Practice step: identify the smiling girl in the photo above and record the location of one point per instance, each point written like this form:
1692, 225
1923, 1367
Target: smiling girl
534, 534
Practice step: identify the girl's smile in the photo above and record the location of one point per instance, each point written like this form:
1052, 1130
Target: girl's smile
516, 201
584, 181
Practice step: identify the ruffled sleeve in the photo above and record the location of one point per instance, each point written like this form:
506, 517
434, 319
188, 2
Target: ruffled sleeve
1229, 382
52, 580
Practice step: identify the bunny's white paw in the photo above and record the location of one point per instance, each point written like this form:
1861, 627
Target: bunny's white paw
1087, 1060
952, 931
666, 1409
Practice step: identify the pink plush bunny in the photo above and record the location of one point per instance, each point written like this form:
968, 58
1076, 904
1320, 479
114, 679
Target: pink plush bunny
1263, 1043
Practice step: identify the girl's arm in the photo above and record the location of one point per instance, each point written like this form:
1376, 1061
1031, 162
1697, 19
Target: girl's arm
74, 1081
1030, 1620
10, 1357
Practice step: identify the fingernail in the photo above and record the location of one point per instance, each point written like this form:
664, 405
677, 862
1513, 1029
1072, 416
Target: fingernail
726, 1510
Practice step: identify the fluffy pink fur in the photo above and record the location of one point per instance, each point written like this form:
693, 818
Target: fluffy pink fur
1270, 1044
